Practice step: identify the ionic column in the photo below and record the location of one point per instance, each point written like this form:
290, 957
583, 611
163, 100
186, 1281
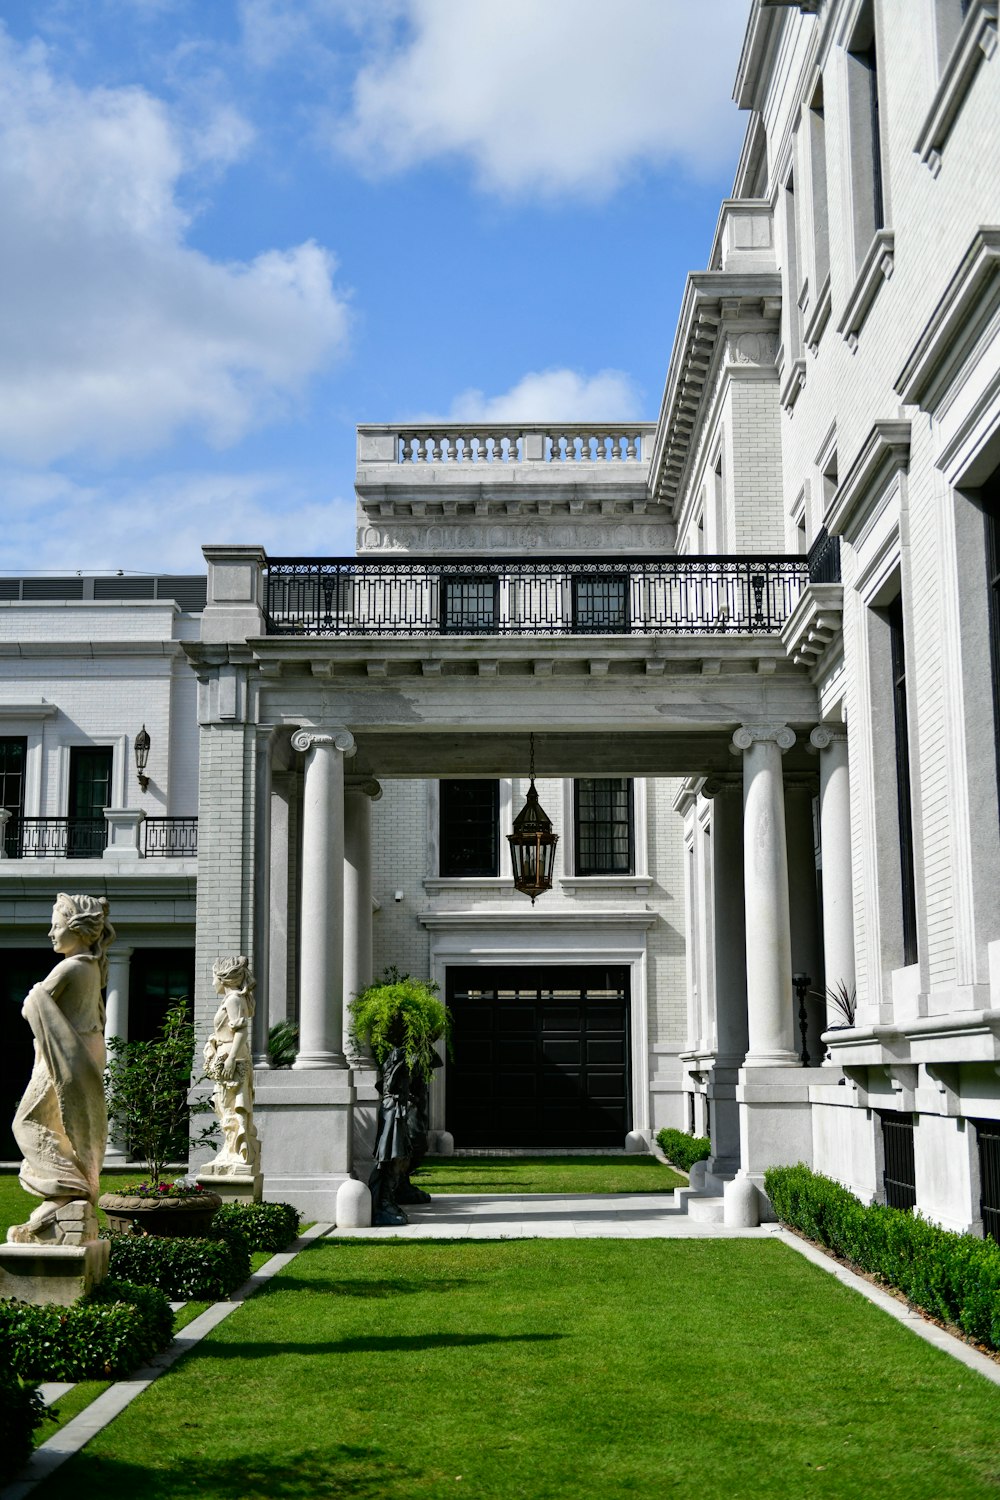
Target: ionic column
835, 845
116, 1024
358, 799
726, 795
262, 893
321, 963
770, 1013
277, 984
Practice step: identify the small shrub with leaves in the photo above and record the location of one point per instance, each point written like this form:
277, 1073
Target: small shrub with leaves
954, 1277
185, 1268
282, 1044
22, 1410
401, 1012
264, 1226
683, 1150
105, 1335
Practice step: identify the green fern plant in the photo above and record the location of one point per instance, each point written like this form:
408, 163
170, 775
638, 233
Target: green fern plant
401, 1012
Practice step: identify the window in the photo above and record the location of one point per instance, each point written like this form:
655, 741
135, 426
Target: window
13, 754
600, 603
469, 831
988, 1136
605, 844
89, 795
158, 978
903, 794
816, 127
867, 184
470, 605
898, 1171
790, 300
990, 498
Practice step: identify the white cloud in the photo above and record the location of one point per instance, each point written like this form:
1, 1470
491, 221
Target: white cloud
554, 396
558, 97
118, 334
158, 525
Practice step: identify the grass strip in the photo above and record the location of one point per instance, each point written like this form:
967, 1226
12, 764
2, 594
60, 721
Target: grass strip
547, 1174
550, 1368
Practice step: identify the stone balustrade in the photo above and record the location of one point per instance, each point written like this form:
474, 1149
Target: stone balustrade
488, 443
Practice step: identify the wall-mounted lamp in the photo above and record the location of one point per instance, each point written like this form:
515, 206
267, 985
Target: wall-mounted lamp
142, 756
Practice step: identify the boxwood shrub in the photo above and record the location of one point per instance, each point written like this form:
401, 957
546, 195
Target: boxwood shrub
185, 1268
105, 1335
683, 1150
264, 1226
21, 1411
954, 1277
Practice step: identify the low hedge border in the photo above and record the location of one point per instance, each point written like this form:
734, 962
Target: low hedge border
186, 1268
953, 1277
21, 1411
264, 1226
105, 1335
683, 1150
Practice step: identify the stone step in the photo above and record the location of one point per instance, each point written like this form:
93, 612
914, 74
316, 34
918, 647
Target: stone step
705, 1210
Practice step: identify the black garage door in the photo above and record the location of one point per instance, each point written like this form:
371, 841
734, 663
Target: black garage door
540, 1057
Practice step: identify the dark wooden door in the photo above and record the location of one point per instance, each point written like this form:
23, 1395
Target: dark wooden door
89, 795
541, 1057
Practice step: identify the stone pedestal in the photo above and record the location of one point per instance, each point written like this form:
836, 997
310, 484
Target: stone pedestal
775, 1120
231, 1186
305, 1124
52, 1273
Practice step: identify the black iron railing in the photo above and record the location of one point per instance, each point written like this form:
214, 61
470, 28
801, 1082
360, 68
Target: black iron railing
170, 838
824, 558
347, 596
59, 838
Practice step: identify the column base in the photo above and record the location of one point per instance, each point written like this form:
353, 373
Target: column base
775, 1121
305, 1122
779, 1058
311, 1060
59, 1274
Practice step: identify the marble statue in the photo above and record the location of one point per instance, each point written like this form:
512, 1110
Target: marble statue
229, 1063
61, 1124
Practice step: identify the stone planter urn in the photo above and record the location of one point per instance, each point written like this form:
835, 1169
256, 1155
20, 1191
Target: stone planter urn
172, 1218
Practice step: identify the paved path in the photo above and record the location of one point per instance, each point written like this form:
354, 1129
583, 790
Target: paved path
506, 1216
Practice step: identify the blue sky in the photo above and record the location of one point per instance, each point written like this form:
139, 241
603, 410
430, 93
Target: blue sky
233, 229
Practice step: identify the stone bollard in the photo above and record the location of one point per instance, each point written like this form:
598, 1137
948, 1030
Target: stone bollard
445, 1144
636, 1143
696, 1176
741, 1203
354, 1205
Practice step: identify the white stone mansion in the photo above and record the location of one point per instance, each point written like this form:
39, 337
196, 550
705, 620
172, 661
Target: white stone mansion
755, 645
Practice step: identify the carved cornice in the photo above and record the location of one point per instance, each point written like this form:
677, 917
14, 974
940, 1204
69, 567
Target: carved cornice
970, 301
884, 452
976, 43
876, 268
815, 624
337, 736
752, 734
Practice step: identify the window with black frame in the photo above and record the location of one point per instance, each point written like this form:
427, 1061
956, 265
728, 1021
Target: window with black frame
13, 755
600, 603
603, 825
469, 827
470, 605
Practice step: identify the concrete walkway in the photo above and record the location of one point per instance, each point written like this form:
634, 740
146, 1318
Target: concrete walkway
504, 1216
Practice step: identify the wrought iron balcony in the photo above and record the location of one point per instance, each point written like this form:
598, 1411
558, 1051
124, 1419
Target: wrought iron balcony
824, 558
170, 838
87, 838
403, 596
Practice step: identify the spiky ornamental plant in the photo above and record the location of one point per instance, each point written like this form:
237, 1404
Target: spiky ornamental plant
401, 1012
147, 1086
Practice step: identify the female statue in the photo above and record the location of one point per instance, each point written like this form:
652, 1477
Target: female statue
229, 1063
61, 1123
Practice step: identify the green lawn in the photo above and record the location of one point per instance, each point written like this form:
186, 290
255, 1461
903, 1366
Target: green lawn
547, 1174
383, 1370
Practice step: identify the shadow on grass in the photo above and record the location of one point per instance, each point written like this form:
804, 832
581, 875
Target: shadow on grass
343, 1470
398, 1286
397, 1343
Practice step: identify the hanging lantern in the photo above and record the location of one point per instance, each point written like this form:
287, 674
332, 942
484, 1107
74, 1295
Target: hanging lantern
532, 844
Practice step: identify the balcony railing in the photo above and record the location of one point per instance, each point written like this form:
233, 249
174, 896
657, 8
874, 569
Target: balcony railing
824, 558
170, 838
499, 443
345, 596
87, 838
58, 838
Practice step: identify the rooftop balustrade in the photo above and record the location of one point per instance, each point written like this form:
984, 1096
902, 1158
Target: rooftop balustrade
457, 444
404, 596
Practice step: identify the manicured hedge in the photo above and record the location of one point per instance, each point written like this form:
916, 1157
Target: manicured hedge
954, 1277
21, 1411
105, 1335
184, 1268
264, 1226
684, 1150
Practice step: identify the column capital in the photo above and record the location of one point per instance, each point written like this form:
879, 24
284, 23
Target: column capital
365, 784
336, 735
718, 786
750, 734
826, 734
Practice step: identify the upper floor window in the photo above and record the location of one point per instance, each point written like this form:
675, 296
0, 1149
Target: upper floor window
470, 606
865, 123
89, 795
907, 868
604, 826
13, 756
600, 602
469, 832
